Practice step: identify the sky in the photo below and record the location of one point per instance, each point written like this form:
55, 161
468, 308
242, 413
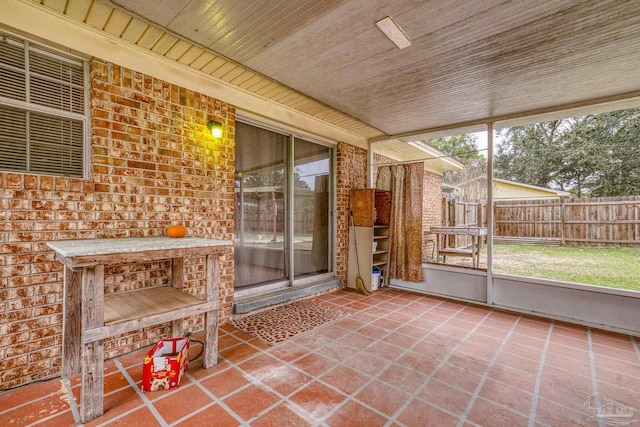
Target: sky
481, 142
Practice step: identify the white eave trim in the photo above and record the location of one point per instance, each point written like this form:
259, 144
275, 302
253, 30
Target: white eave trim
32, 19
438, 155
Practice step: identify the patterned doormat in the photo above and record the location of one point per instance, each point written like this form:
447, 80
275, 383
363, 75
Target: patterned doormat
281, 323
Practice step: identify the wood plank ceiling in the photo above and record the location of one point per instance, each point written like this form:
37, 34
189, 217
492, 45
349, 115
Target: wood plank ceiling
470, 60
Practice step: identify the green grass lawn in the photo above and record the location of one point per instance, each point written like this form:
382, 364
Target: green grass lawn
611, 267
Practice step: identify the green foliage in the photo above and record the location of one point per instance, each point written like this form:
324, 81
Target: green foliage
530, 154
464, 148
590, 156
461, 146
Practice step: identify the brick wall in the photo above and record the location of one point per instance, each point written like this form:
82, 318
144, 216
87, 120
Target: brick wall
152, 164
431, 210
351, 172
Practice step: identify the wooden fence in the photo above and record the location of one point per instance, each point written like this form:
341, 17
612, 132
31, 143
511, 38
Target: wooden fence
602, 221
457, 213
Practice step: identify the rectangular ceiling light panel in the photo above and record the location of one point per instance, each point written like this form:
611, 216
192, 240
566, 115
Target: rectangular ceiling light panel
390, 29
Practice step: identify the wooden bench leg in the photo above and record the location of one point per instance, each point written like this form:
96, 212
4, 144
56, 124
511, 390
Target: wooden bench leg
177, 328
177, 281
72, 323
92, 386
211, 317
210, 339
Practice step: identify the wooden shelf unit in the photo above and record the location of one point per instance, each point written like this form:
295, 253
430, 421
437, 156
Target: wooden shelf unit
371, 210
90, 316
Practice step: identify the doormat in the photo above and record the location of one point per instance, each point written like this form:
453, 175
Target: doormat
278, 324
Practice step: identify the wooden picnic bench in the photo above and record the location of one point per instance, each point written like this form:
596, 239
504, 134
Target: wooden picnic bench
472, 252
90, 316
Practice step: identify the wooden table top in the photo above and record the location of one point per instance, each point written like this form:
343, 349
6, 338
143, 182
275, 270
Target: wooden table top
83, 247
459, 230
90, 252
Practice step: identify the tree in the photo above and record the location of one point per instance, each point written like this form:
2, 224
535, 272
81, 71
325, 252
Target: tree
603, 154
472, 178
461, 146
520, 155
595, 155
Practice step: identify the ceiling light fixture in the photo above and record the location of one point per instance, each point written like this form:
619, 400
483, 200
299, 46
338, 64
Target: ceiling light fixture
393, 32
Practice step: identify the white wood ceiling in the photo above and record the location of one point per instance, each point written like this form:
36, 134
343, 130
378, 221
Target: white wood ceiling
470, 60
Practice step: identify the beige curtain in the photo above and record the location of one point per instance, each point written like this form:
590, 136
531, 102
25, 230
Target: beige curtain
405, 183
320, 246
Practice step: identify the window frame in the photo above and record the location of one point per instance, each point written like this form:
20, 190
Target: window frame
31, 107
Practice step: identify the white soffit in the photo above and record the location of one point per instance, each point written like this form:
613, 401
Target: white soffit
118, 27
470, 62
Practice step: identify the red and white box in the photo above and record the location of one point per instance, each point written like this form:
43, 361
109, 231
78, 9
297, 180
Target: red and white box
165, 364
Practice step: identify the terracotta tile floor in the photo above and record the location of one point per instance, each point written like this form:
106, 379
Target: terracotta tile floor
398, 359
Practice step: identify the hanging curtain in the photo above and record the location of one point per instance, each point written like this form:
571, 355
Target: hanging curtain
405, 235
320, 248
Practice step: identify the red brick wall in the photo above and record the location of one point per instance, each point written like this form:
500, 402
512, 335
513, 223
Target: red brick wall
431, 209
152, 164
351, 172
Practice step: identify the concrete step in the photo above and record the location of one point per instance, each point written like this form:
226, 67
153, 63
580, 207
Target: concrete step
251, 303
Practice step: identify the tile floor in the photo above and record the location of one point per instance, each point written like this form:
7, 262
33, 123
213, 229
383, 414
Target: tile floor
399, 359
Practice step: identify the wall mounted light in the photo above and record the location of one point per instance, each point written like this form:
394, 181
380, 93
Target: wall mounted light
215, 128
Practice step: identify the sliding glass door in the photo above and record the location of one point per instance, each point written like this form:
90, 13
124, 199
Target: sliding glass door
311, 187
260, 188
283, 197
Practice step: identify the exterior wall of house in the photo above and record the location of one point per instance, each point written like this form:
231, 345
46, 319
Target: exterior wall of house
431, 210
351, 172
506, 191
152, 164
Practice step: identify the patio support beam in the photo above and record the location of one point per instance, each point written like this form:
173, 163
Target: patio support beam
489, 213
620, 101
370, 182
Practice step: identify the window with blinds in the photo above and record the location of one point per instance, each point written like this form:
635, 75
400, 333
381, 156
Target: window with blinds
43, 115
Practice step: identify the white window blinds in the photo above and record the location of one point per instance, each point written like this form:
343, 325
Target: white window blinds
42, 110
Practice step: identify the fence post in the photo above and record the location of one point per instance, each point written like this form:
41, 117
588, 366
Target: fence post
453, 217
562, 221
445, 211
452, 212
480, 222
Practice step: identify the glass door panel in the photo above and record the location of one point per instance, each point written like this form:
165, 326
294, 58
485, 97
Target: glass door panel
312, 204
260, 191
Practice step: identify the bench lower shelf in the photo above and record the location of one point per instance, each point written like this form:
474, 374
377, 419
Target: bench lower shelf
456, 252
129, 311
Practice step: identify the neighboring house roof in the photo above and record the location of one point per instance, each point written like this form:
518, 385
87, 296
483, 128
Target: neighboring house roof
434, 160
511, 190
448, 188
508, 190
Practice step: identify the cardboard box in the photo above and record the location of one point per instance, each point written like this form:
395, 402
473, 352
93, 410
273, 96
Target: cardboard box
165, 364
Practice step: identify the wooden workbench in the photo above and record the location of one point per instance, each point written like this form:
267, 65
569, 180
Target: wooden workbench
90, 316
473, 252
